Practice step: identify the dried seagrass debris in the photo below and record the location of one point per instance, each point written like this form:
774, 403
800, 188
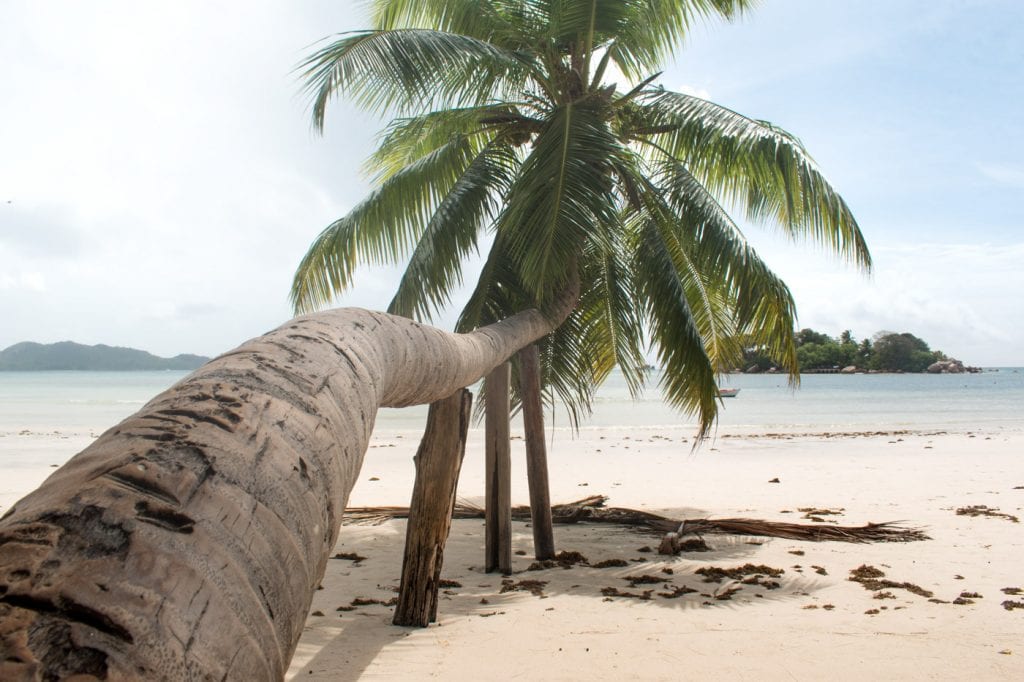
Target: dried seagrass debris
610, 563
616, 592
368, 601
564, 559
674, 592
349, 556
871, 579
534, 587
635, 580
983, 510
715, 574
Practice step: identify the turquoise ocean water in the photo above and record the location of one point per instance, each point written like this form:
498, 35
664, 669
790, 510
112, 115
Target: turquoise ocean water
90, 402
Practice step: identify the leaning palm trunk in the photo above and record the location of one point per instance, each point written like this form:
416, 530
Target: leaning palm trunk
187, 541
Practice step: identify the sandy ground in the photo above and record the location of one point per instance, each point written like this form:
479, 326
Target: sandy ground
816, 625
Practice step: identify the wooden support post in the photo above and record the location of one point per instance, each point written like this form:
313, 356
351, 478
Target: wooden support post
498, 474
438, 463
536, 453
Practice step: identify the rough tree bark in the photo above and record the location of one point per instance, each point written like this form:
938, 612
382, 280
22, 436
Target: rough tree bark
536, 453
438, 462
187, 541
498, 472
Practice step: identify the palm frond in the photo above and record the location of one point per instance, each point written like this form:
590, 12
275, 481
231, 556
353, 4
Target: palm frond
406, 140
757, 166
562, 191
382, 228
688, 377
762, 306
510, 24
434, 268
653, 29
409, 70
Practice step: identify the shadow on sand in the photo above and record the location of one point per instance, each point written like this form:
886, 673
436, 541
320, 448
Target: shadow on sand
342, 643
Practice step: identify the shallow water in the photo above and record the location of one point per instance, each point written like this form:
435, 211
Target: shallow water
84, 402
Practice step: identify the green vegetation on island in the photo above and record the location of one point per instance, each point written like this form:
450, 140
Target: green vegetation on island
68, 355
884, 352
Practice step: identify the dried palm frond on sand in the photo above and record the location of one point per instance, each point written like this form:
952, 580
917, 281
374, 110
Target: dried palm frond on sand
592, 510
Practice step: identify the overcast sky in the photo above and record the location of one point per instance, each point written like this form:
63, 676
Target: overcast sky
159, 181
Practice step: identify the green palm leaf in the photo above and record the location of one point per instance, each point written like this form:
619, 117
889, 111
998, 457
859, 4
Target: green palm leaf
762, 306
758, 166
410, 69
561, 193
434, 268
382, 228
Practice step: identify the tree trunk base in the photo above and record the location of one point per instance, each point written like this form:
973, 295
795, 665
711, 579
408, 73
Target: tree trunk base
438, 463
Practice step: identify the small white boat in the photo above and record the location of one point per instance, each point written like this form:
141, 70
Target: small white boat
728, 392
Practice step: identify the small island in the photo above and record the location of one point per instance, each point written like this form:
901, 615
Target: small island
885, 352
68, 355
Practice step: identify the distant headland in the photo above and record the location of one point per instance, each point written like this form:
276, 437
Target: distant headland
886, 352
68, 355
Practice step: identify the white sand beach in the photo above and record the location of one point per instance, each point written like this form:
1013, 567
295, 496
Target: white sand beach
816, 625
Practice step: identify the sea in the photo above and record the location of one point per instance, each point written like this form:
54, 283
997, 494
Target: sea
87, 403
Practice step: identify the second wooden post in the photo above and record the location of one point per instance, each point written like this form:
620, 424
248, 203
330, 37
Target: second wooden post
498, 474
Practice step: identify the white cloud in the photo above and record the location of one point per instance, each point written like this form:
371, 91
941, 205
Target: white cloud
961, 298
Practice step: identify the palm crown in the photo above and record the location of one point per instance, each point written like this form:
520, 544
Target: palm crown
507, 128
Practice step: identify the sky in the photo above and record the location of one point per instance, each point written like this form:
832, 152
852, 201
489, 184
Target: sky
159, 178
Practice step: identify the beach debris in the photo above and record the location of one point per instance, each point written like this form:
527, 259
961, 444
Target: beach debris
564, 559
635, 580
815, 514
610, 563
369, 601
609, 592
871, 579
592, 509
317, 613
872, 612
726, 595
1013, 591
676, 591
797, 552
884, 594
1010, 605
350, 556
982, 510
774, 480
970, 595
345, 608
534, 587
820, 570
716, 574
449, 584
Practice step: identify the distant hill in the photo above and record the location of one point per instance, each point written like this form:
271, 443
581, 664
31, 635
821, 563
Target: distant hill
28, 357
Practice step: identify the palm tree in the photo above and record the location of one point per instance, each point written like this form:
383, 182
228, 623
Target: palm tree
508, 130
187, 541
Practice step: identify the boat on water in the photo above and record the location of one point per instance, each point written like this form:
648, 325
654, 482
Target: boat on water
728, 392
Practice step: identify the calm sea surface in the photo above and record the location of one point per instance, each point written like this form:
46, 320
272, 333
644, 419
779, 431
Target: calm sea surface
91, 402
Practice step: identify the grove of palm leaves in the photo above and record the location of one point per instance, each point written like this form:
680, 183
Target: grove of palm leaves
508, 131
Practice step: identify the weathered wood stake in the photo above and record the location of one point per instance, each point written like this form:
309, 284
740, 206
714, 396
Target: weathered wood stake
498, 474
536, 453
438, 463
